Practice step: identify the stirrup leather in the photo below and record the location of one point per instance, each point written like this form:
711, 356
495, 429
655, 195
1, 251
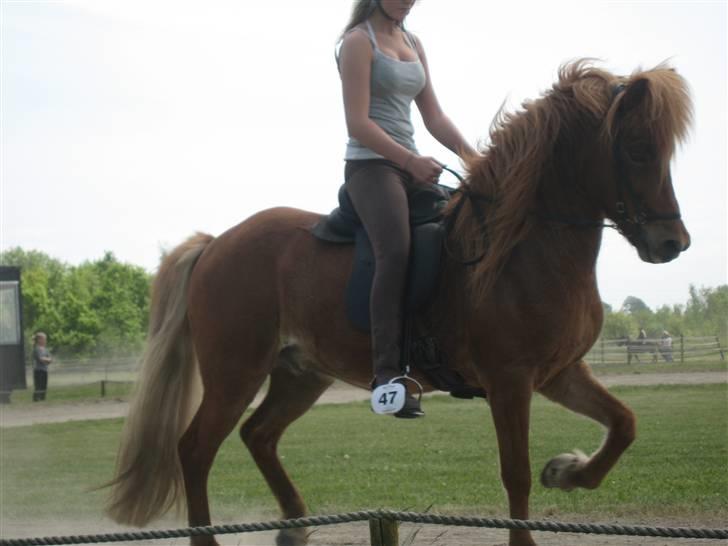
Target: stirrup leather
390, 397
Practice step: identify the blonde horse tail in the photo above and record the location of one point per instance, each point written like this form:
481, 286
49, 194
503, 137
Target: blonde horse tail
148, 478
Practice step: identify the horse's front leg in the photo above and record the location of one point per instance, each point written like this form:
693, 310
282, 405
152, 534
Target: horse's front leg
510, 401
577, 389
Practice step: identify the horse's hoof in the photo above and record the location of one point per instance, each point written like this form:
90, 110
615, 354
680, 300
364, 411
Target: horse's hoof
292, 537
560, 470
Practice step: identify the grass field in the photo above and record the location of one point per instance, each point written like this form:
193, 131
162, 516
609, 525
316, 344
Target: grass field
62, 394
343, 458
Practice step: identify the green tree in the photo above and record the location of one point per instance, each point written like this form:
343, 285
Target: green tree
641, 314
96, 308
634, 305
618, 325
121, 301
706, 312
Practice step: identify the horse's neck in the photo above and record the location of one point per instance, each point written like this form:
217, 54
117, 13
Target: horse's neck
567, 252
568, 210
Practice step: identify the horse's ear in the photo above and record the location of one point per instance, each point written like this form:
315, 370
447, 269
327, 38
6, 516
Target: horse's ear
634, 95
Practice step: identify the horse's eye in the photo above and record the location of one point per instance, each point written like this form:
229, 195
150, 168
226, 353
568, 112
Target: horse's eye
640, 153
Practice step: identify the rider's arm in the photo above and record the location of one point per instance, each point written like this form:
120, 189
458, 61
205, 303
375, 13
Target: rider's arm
437, 123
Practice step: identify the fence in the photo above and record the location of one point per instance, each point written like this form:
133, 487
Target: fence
682, 349
605, 351
84, 372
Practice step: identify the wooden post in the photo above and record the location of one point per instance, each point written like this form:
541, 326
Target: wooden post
384, 532
103, 388
682, 349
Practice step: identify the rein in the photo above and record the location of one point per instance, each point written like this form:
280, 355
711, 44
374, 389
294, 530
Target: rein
480, 216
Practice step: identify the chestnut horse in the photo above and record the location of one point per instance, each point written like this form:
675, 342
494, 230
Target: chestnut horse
265, 300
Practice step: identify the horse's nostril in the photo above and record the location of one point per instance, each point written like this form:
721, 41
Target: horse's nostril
671, 248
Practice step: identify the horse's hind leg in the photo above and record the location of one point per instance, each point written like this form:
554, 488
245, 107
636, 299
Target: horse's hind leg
293, 390
222, 405
576, 389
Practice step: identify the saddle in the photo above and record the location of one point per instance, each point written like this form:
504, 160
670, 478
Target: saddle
343, 226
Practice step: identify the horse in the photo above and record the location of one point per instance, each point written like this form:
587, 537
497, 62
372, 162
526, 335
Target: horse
515, 311
636, 347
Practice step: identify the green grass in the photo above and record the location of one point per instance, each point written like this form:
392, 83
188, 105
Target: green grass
344, 458
88, 392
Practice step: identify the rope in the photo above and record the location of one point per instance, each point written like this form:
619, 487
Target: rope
410, 517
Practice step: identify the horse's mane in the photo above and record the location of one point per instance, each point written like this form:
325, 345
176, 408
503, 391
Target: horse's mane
521, 144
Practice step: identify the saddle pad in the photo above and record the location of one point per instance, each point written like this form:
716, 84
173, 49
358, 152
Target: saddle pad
422, 274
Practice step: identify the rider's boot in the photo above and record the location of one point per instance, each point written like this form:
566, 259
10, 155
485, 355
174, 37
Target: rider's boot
387, 369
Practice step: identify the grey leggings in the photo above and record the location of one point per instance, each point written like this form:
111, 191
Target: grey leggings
378, 190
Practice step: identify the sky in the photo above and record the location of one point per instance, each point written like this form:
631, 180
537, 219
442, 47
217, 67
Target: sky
126, 126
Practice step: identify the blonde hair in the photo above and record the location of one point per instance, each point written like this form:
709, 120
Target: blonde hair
360, 12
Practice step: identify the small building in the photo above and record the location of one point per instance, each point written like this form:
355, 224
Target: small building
12, 345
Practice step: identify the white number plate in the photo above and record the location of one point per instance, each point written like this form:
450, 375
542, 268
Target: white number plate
388, 398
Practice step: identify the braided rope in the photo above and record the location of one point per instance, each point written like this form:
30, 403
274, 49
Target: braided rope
409, 517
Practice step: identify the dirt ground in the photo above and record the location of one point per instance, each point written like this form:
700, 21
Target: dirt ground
355, 534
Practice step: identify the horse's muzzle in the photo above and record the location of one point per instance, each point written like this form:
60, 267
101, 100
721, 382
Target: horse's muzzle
663, 241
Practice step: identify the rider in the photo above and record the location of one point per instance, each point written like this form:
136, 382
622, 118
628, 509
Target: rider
383, 69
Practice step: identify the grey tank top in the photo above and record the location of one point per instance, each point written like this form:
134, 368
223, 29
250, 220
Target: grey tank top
394, 84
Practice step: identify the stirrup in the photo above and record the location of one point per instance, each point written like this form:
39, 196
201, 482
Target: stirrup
390, 397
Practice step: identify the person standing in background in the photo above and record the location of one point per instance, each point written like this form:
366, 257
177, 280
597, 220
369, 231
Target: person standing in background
41, 361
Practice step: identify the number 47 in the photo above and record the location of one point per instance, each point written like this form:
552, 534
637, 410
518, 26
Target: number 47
383, 399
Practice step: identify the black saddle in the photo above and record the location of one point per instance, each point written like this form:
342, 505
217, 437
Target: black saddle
343, 226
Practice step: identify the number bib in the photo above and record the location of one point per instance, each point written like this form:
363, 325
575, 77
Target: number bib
388, 398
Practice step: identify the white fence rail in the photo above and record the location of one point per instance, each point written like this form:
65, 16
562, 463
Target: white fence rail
682, 349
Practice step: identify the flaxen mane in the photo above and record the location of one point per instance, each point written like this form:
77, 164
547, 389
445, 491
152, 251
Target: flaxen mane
520, 153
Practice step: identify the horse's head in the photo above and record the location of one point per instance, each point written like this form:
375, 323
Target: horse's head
650, 112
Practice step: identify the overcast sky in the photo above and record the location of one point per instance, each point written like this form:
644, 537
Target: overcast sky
126, 126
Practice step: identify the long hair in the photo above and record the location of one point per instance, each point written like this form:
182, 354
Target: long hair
360, 12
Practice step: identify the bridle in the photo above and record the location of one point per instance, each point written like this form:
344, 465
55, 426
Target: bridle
627, 200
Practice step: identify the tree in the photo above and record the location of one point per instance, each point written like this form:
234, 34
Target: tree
706, 312
634, 305
618, 325
96, 308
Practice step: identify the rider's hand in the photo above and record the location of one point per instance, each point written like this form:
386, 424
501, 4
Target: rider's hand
424, 169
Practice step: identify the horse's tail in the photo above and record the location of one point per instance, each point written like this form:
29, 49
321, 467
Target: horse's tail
148, 480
